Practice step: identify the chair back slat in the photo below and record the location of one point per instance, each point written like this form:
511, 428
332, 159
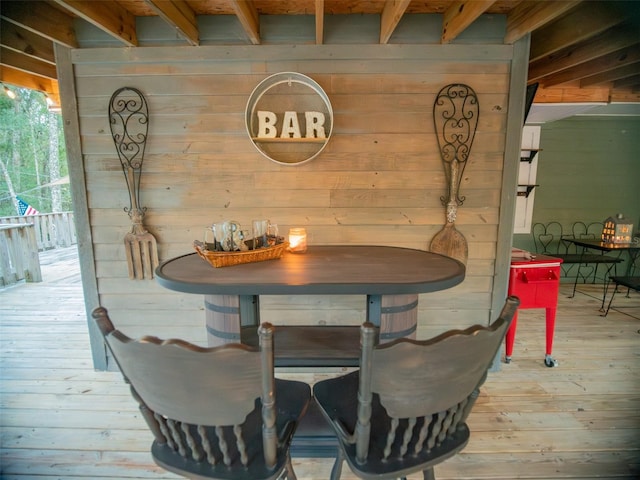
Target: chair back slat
391, 437
408, 435
176, 437
433, 432
422, 438
194, 443
206, 445
222, 445
240, 444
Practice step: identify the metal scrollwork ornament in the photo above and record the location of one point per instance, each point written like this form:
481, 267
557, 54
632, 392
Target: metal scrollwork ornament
456, 110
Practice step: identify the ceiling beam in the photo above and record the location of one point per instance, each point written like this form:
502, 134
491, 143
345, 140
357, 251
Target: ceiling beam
532, 14
33, 82
585, 21
630, 94
20, 61
608, 42
391, 16
630, 83
460, 15
180, 16
619, 58
571, 94
611, 75
249, 19
109, 17
42, 19
319, 22
24, 41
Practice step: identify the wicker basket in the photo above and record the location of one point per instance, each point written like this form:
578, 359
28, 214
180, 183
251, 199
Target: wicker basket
228, 259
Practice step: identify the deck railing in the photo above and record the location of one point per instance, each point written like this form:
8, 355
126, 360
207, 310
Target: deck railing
52, 230
21, 238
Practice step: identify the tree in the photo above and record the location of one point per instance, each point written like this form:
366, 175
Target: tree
32, 155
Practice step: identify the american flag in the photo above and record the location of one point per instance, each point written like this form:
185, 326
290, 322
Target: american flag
25, 208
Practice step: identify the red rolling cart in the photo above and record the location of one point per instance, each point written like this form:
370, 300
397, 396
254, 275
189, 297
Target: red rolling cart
536, 282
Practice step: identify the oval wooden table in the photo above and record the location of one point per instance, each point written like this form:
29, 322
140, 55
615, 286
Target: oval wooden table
391, 279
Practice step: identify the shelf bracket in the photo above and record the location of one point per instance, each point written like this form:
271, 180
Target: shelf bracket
527, 192
532, 154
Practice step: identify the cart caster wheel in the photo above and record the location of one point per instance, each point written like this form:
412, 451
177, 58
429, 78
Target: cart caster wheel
507, 359
550, 362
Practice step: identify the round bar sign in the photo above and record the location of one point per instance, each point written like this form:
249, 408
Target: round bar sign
289, 118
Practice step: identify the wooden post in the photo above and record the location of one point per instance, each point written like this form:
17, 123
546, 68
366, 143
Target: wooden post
32, 272
7, 276
19, 258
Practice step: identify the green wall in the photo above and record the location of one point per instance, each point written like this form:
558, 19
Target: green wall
588, 170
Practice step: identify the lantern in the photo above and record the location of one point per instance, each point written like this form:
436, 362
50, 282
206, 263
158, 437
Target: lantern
617, 230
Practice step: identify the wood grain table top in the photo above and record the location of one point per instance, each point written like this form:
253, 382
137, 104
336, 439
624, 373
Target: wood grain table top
322, 270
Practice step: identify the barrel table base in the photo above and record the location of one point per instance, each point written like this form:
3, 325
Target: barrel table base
397, 318
234, 319
225, 315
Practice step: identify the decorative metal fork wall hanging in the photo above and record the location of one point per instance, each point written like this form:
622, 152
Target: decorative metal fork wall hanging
129, 120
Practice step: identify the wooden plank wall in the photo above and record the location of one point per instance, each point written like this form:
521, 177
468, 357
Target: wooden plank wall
379, 180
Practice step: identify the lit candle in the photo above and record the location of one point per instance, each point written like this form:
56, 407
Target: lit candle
297, 240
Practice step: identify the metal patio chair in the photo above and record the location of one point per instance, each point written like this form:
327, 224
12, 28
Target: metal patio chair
630, 280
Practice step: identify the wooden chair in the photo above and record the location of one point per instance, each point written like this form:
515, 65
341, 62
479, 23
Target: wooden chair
214, 412
405, 409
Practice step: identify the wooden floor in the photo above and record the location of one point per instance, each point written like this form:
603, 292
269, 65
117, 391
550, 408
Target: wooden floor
60, 419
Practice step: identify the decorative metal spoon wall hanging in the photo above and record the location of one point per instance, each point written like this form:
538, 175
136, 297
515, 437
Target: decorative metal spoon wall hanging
455, 115
129, 120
